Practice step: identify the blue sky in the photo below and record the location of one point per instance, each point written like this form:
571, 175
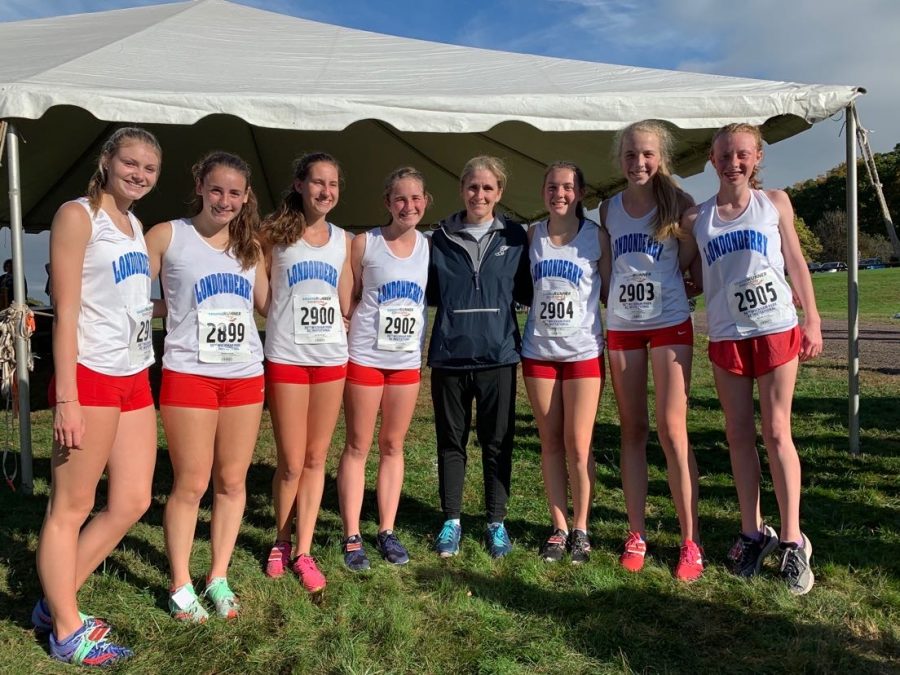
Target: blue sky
816, 41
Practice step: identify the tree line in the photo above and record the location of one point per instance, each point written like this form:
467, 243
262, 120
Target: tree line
821, 217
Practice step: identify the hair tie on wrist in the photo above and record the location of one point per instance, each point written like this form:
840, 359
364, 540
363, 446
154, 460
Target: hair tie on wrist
67, 400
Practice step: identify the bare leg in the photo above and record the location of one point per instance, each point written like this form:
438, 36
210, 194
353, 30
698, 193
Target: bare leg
628, 369
580, 399
546, 398
324, 406
776, 392
736, 397
361, 404
672, 378
236, 436
75, 474
191, 434
397, 408
288, 407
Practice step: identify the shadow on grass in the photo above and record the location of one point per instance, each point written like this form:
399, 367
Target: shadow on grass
649, 630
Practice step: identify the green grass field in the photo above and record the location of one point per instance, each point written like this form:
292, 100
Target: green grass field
879, 294
518, 615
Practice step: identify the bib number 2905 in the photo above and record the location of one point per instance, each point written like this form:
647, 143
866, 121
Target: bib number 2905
756, 296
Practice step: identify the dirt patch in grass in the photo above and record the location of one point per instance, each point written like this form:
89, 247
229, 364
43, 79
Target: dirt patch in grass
879, 343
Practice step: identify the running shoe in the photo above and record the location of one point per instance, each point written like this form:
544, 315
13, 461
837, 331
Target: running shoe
304, 566
355, 556
390, 548
88, 646
632, 558
579, 547
746, 556
222, 597
554, 548
498, 542
447, 542
279, 559
795, 568
690, 562
43, 622
184, 605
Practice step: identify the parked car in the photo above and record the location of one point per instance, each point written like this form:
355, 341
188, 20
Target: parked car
871, 264
833, 267
814, 267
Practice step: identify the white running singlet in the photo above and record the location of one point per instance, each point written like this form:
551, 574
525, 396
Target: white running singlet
564, 323
115, 336
743, 271
210, 323
388, 325
646, 290
305, 326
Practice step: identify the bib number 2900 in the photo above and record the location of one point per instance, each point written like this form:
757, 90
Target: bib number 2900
317, 316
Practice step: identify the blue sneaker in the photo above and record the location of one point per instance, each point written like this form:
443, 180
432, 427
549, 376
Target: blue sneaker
447, 542
498, 542
390, 548
88, 646
43, 622
355, 553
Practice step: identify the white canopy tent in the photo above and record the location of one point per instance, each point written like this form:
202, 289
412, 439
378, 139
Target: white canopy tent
212, 74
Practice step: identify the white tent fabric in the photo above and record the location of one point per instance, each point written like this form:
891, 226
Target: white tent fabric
214, 74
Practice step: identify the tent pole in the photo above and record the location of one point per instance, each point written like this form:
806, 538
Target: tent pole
852, 283
15, 226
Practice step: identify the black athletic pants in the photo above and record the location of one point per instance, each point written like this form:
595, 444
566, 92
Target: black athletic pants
494, 391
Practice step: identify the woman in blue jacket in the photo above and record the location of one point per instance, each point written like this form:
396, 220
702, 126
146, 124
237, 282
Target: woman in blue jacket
478, 271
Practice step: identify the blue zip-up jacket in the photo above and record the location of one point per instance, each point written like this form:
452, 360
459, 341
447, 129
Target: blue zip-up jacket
474, 287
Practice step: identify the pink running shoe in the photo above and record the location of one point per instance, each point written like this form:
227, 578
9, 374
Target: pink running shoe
632, 559
304, 566
690, 564
279, 559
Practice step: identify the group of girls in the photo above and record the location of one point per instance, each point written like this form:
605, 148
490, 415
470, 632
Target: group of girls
345, 323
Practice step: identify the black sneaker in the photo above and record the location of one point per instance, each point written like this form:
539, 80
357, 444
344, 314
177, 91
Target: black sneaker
746, 556
579, 547
795, 566
390, 548
355, 553
554, 548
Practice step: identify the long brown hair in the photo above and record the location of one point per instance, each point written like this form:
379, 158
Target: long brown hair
120, 137
742, 128
286, 225
243, 229
669, 197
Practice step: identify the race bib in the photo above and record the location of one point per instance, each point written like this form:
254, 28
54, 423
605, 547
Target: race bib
317, 319
758, 302
557, 312
224, 335
140, 335
638, 296
399, 328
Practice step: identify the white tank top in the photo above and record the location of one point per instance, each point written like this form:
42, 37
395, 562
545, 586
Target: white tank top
114, 323
564, 320
388, 325
211, 329
646, 290
305, 326
743, 271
